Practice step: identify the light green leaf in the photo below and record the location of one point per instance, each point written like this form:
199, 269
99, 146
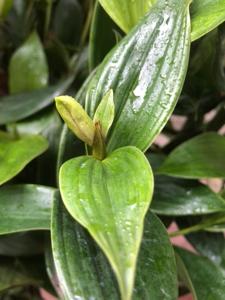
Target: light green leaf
126, 13
84, 272
205, 16
113, 216
144, 75
16, 154
105, 113
207, 279
28, 69
76, 118
201, 157
25, 207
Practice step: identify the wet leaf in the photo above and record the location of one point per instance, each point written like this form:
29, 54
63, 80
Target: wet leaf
84, 272
114, 217
25, 207
28, 69
144, 75
199, 157
16, 154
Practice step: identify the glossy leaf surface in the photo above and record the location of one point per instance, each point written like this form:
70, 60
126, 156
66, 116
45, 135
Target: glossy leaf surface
173, 199
206, 15
126, 13
84, 272
144, 75
28, 69
25, 207
16, 154
114, 217
207, 279
17, 107
201, 157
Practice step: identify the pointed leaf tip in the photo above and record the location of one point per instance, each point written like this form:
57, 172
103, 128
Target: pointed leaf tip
105, 112
76, 118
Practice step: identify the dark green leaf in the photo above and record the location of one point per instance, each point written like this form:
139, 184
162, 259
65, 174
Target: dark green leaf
28, 69
17, 107
102, 36
145, 76
207, 279
114, 217
25, 207
201, 157
173, 199
16, 154
84, 271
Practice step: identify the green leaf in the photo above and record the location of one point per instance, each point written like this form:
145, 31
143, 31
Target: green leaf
16, 154
114, 217
105, 113
126, 13
144, 75
200, 157
207, 279
28, 69
5, 6
17, 107
76, 118
206, 15
25, 207
84, 272
174, 199
102, 36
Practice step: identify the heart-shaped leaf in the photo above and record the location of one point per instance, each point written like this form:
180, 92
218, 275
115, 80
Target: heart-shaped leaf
110, 198
146, 73
25, 207
126, 13
83, 270
201, 157
28, 69
16, 154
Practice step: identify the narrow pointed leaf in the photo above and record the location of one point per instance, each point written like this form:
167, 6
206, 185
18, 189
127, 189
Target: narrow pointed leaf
207, 279
76, 118
84, 272
126, 13
105, 113
25, 207
16, 154
114, 217
201, 157
17, 107
173, 199
28, 69
206, 15
144, 75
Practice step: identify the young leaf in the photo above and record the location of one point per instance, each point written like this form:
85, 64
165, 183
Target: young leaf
28, 69
113, 216
144, 75
201, 157
105, 113
84, 272
126, 13
16, 154
25, 207
76, 118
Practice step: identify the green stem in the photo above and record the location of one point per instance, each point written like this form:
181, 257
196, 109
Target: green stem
198, 227
48, 16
